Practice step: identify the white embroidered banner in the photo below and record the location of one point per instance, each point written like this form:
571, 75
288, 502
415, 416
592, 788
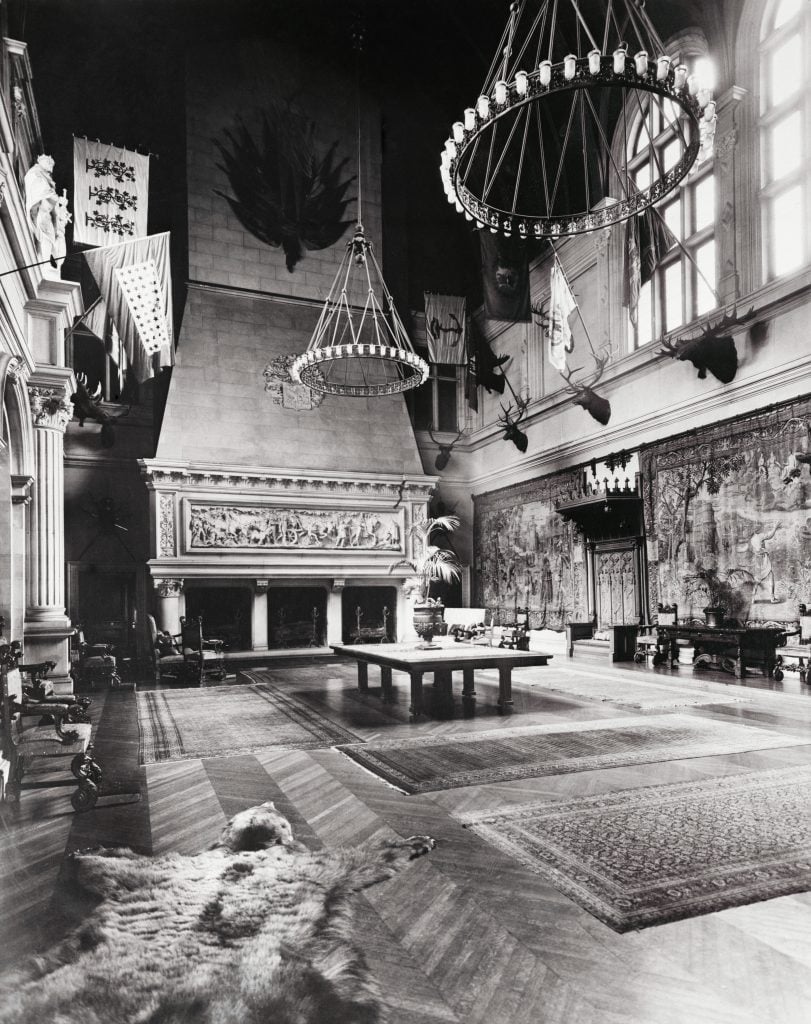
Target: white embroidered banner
561, 306
110, 193
142, 290
445, 328
134, 279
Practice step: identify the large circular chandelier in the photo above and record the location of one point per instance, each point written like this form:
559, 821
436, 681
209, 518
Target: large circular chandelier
359, 351
542, 153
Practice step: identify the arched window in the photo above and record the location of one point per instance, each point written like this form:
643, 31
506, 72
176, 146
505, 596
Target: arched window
785, 109
683, 285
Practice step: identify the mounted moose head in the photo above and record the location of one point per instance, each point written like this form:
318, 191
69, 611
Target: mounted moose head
712, 350
87, 406
510, 420
444, 456
594, 404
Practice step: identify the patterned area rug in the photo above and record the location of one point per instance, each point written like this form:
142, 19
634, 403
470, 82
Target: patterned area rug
474, 759
640, 694
645, 856
177, 725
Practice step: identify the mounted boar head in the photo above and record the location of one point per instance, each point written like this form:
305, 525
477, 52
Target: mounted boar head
594, 404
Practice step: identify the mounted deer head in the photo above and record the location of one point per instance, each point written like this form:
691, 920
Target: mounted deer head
712, 350
87, 406
594, 404
444, 456
510, 420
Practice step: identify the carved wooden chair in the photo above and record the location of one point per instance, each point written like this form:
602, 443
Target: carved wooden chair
186, 657
649, 643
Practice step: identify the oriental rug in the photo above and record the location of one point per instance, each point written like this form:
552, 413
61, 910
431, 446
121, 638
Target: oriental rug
177, 725
641, 857
640, 694
429, 763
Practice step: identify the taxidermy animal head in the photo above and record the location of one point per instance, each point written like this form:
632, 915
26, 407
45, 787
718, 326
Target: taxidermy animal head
284, 193
712, 350
257, 928
87, 406
594, 404
510, 420
444, 456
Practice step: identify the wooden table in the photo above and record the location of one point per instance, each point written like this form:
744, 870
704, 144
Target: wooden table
443, 660
730, 648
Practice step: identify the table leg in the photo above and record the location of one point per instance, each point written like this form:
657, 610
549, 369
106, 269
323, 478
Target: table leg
443, 693
385, 684
468, 686
505, 689
415, 710
363, 676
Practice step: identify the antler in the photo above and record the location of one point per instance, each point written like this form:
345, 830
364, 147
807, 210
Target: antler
575, 387
507, 420
445, 450
540, 310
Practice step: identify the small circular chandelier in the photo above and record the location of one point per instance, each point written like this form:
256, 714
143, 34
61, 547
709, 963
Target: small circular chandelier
543, 151
359, 351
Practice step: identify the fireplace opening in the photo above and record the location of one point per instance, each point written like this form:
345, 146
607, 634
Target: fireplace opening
297, 617
226, 613
369, 615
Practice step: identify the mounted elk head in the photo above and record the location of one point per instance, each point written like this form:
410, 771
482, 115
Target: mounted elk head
444, 456
713, 350
510, 420
87, 406
594, 404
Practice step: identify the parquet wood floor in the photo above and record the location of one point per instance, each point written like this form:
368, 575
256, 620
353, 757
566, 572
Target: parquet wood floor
465, 934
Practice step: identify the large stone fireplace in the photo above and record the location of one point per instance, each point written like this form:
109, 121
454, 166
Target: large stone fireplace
282, 561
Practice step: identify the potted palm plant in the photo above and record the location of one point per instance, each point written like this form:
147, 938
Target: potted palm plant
430, 563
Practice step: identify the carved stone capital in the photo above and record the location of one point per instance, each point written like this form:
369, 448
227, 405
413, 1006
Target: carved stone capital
601, 240
261, 586
169, 588
51, 408
338, 585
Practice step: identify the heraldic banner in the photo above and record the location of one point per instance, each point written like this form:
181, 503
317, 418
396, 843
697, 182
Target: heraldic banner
110, 193
445, 328
135, 282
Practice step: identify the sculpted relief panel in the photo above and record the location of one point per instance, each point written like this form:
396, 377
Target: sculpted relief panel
233, 526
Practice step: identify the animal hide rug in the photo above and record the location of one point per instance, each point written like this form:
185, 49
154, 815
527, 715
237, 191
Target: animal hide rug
256, 929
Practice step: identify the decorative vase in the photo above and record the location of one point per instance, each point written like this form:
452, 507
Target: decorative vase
428, 618
714, 616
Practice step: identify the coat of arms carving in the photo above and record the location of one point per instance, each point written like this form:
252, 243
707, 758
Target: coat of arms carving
284, 391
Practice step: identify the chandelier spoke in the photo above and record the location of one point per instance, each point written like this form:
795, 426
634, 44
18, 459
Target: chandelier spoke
551, 180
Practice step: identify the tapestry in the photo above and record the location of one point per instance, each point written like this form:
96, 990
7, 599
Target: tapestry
641, 857
111, 193
178, 725
427, 764
527, 555
729, 512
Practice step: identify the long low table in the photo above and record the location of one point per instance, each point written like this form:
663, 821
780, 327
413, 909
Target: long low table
730, 648
443, 660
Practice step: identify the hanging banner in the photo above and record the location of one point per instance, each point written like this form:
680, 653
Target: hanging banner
110, 193
445, 328
505, 277
562, 306
135, 282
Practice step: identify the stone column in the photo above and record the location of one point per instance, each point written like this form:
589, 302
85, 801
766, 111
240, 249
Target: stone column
47, 628
259, 625
171, 604
335, 618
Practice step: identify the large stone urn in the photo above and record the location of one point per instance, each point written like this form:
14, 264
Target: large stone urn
428, 619
714, 616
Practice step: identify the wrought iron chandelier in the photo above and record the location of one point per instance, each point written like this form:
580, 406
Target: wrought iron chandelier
543, 151
357, 351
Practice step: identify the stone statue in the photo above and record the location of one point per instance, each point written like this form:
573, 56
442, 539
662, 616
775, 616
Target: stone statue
48, 211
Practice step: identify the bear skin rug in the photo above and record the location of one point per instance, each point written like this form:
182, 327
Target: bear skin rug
256, 929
